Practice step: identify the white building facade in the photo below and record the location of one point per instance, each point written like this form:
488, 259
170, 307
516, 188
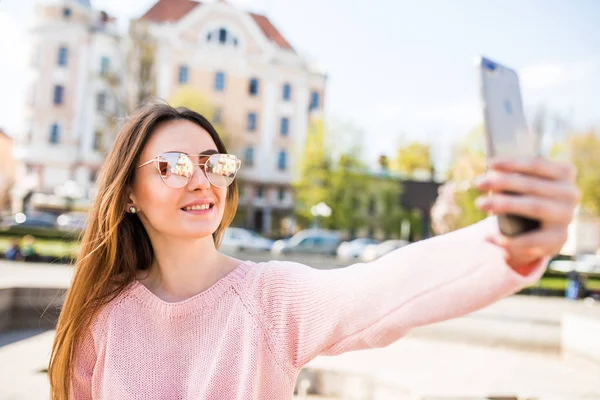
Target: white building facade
72, 45
263, 93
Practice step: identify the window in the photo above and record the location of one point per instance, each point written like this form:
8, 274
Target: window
281, 194
66, 12
223, 37
251, 122
101, 102
104, 65
249, 156
372, 206
253, 89
217, 116
97, 145
58, 94
287, 92
62, 56
314, 100
260, 192
285, 126
282, 161
54, 134
183, 74
219, 81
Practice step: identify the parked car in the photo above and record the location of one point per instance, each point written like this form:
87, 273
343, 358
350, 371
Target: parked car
374, 251
309, 241
33, 219
72, 221
239, 239
585, 263
354, 248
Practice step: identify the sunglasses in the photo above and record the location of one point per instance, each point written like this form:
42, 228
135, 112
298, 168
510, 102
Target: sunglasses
176, 169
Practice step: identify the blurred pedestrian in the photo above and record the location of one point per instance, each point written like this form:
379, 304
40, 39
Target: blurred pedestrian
156, 311
13, 253
28, 251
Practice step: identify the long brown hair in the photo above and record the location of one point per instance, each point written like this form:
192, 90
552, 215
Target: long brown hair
115, 244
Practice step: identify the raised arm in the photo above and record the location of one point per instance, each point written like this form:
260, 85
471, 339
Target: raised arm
310, 312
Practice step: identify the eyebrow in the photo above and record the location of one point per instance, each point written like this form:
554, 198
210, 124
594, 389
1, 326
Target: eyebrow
211, 151
204, 152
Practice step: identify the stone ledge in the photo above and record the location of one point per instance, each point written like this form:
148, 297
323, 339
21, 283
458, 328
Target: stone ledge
580, 337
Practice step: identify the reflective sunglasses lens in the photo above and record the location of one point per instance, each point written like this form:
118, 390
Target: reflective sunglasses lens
175, 169
221, 169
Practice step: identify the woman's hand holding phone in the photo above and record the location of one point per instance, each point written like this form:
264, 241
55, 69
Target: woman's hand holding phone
546, 192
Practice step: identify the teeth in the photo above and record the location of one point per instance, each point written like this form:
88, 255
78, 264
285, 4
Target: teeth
197, 207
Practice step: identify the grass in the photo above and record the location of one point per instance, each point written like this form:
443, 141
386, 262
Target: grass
46, 247
558, 283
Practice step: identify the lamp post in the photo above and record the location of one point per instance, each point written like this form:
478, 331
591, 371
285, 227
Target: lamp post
320, 210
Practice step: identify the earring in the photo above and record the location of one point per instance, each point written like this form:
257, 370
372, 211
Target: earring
132, 209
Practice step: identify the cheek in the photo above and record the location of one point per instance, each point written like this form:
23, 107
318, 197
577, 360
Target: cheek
155, 198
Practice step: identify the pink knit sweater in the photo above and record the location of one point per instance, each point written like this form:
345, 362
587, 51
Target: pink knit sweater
248, 336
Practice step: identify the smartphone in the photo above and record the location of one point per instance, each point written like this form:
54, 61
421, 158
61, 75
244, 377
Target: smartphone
506, 129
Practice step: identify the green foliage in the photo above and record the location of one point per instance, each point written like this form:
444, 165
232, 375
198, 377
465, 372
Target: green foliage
413, 158
358, 199
391, 214
455, 206
583, 150
313, 179
348, 180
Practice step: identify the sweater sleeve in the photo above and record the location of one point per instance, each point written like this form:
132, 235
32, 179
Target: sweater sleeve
309, 312
84, 361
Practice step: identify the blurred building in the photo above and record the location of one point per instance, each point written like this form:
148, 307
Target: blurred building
72, 46
262, 92
8, 169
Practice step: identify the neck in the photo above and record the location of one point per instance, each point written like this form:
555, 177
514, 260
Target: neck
183, 268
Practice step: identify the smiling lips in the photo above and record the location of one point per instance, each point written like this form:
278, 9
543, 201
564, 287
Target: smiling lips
202, 205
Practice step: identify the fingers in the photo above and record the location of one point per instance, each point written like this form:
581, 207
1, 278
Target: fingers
545, 209
540, 167
512, 182
534, 245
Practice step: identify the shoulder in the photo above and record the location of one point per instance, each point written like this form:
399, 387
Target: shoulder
101, 321
274, 271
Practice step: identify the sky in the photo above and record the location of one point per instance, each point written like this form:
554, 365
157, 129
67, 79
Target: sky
397, 70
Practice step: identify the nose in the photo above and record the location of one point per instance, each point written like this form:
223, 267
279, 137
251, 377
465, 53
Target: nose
199, 181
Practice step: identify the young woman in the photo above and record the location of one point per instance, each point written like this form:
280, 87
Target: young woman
155, 311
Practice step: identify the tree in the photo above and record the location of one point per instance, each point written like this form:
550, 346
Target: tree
313, 175
413, 159
134, 82
391, 215
347, 187
455, 206
130, 79
384, 162
583, 150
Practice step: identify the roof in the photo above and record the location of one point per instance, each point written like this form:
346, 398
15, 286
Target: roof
169, 10
270, 31
174, 10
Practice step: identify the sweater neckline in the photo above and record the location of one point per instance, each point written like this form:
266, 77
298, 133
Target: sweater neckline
191, 304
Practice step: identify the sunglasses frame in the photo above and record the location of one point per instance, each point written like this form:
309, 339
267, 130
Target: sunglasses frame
157, 159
